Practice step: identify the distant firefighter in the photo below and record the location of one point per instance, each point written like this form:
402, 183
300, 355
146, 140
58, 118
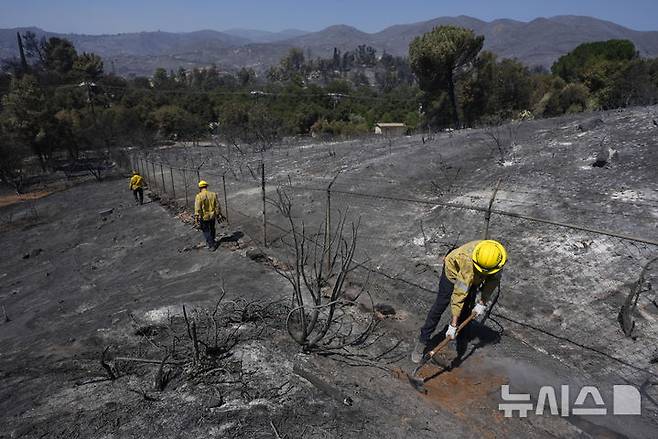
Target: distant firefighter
137, 186
206, 212
473, 267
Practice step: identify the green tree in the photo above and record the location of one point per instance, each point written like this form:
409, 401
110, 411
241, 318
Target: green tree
88, 67
246, 76
25, 116
291, 68
476, 90
161, 79
573, 98
513, 88
630, 84
12, 164
69, 124
549, 105
59, 56
174, 122
439, 57
574, 65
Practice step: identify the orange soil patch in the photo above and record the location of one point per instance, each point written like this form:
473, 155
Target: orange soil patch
6, 200
458, 388
468, 394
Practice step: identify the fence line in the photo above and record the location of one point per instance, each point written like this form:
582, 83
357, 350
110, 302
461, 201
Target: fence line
485, 210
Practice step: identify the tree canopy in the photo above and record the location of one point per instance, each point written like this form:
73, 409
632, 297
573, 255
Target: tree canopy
438, 57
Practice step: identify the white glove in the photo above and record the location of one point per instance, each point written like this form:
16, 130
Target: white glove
451, 333
479, 309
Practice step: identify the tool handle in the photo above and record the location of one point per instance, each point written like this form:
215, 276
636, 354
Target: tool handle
446, 340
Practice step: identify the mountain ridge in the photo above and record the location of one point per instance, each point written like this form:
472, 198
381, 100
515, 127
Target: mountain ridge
536, 42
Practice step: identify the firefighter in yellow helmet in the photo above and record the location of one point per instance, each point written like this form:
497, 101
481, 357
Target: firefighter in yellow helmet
137, 186
206, 212
473, 267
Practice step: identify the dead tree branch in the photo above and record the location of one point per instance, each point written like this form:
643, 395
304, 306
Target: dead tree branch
162, 377
625, 316
110, 369
321, 263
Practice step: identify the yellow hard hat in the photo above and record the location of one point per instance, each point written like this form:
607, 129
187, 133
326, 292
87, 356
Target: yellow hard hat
135, 173
203, 183
489, 256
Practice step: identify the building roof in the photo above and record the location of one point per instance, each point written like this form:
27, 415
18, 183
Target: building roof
390, 125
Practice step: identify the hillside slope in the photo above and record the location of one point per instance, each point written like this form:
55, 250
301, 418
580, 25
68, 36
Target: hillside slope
80, 279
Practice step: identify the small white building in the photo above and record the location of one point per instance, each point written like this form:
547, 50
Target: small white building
391, 129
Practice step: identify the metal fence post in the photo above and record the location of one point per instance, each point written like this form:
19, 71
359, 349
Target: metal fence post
327, 230
262, 186
225, 199
164, 186
155, 180
185, 186
146, 167
487, 214
173, 188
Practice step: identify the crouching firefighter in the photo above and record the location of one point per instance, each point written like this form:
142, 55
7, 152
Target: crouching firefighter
475, 266
137, 186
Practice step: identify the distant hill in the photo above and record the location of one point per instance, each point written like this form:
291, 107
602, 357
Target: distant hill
260, 36
538, 42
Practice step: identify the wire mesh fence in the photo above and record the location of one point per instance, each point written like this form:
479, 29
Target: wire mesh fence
565, 287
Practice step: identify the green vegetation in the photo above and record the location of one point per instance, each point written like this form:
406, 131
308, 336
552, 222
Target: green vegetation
59, 106
439, 58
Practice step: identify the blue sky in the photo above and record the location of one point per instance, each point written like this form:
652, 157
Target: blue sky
96, 16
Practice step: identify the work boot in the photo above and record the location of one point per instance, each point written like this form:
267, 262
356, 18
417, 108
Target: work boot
418, 352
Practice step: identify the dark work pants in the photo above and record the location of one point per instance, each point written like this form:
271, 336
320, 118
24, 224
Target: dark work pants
139, 195
208, 229
442, 301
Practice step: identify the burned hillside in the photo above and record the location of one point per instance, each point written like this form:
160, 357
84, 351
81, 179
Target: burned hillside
573, 199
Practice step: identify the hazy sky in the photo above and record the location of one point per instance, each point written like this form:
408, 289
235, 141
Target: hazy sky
112, 16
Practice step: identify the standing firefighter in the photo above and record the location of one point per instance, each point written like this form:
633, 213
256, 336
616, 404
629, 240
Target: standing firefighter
137, 186
474, 266
206, 212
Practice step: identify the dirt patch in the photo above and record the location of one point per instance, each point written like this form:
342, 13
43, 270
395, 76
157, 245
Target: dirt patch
458, 390
468, 393
7, 200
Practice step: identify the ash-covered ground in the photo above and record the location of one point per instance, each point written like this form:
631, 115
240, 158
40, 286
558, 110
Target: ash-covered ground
79, 280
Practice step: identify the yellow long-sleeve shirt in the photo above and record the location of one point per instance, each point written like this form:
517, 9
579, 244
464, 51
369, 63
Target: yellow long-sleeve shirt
136, 181
460, 270
206, 205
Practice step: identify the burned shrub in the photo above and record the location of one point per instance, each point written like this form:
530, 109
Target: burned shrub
590, 124
502, 137
319, 268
